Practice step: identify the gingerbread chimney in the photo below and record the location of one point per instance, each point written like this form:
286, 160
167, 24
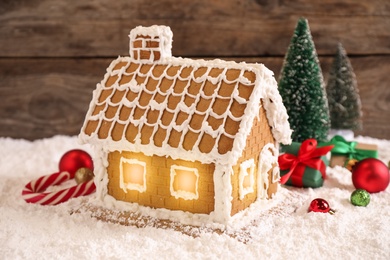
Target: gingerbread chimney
148, 44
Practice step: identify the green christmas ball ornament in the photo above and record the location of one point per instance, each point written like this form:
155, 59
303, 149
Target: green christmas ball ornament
360, 198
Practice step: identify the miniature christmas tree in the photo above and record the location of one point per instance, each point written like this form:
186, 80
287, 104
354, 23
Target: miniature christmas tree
343, 95
301, 86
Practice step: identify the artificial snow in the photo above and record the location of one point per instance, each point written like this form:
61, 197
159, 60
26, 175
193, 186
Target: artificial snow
286, 231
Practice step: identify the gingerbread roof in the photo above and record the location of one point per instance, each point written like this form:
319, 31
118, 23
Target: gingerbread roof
183, 108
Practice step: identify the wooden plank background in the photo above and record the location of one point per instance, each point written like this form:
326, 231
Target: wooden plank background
53, 52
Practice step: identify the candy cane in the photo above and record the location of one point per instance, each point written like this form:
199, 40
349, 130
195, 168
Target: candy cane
33, 191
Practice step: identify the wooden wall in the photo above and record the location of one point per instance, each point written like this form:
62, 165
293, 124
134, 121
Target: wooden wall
53, 52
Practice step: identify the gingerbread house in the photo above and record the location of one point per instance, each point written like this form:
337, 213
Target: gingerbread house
185, 135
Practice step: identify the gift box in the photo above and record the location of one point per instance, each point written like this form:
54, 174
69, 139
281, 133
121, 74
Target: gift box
345, 151
303, 164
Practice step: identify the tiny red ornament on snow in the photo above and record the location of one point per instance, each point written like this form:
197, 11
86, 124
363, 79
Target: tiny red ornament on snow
320, 205
371, 175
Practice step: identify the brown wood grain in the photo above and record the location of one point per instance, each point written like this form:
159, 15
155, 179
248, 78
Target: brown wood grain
53, 52
44, 97
54, 28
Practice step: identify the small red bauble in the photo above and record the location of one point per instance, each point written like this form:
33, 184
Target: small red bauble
320, 205
371, 175
75, 159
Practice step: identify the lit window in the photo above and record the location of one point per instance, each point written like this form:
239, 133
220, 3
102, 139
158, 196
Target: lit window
184, 182
246, 178
132, 175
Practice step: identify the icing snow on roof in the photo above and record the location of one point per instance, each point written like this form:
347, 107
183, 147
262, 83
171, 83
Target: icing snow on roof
188, 109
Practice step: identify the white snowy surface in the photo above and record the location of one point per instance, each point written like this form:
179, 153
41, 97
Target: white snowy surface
287, 231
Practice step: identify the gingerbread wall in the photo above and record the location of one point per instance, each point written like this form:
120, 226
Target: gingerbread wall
260, 136
157, 194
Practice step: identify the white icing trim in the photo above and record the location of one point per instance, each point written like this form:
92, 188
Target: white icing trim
267, 158
128, 185
100, 163
276, 174
186, 195
222, 194
244, 166
276, 112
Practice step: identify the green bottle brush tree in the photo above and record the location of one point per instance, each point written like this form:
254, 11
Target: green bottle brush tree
302, 87
343, 95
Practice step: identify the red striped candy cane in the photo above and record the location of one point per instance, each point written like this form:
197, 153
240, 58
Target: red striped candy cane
33, 192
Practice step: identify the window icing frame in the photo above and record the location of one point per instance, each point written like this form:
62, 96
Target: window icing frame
131, 186
186, 195
244, 166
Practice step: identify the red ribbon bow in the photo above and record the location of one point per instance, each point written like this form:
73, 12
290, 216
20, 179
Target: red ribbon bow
308, 156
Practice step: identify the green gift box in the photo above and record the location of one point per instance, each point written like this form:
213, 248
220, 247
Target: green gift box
310, 177
344, 151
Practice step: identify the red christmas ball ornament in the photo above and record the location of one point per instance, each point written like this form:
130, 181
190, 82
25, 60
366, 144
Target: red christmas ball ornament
320, 205
75, 159
371, 175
